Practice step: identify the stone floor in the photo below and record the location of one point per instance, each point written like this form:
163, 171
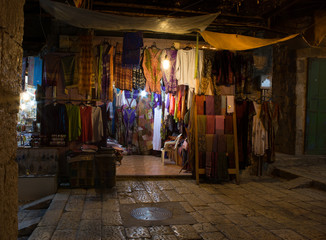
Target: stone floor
258, 208
148, 165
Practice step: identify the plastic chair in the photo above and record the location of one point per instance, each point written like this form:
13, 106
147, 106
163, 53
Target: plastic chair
171, 147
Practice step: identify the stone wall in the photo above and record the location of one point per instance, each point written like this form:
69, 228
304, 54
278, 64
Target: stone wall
284, 93
11, 53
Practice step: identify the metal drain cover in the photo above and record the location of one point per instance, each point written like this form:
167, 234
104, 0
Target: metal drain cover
151, 213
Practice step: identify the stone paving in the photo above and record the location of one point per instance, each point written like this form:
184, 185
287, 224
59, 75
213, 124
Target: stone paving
258, 208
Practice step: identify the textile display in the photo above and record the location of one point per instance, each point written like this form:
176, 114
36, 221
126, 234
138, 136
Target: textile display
122, 75
74, 122
152, 69
69, 69
132, 42
169, 79
86, 123
86, 59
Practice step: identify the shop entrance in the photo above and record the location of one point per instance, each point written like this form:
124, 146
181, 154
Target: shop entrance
315, 140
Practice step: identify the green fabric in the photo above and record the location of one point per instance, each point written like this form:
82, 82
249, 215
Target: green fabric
74, 122
229, 143
69, 68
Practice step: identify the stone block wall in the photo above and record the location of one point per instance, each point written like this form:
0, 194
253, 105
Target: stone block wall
284, 93
11, 53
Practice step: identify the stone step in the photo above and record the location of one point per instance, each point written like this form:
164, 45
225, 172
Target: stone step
41, 203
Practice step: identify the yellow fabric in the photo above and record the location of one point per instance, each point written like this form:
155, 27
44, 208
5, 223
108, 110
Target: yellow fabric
234, 42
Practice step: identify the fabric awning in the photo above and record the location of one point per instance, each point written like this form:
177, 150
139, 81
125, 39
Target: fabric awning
84, 18
235, 42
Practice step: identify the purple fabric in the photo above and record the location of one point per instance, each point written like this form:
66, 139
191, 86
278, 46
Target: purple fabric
169, 79
132, 42
209, 105
167, 104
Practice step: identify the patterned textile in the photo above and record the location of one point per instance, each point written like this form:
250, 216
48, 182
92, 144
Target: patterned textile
69, 69
138, 78
74, 122
52, 69
206, 79
169, 79
119, 126
145, 124
201, 126
107, 73
122, 75
152, 69
85, 64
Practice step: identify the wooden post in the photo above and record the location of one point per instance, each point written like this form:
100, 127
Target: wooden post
236, 150
196, 145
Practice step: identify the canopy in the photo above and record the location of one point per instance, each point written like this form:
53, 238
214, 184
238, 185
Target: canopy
83, 18
235, 42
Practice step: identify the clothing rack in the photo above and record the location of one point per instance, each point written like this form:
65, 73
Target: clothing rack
234, 171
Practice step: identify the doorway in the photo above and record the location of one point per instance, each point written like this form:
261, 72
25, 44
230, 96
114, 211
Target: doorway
315, 137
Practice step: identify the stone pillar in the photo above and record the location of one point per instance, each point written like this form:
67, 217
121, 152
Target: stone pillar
11, 53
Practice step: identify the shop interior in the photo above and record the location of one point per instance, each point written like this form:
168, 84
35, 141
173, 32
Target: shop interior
166, 107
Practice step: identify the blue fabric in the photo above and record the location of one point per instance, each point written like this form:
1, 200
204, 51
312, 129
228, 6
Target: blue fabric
132, 42
38, 64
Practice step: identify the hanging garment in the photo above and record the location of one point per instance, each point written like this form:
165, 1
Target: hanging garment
145, 124
172, 104
206, 79
186, 67
119, 126
52, 69
157, 128
228, 125
169, 79
107, 72
223, 105
138, 78
259, 133
37, 72
132, 42
129, 116
122, 75
152, 69
86, 59
69, 69
97, 124
74, 122
86, 123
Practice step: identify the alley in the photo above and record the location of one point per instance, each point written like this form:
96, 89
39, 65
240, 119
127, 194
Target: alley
258, 208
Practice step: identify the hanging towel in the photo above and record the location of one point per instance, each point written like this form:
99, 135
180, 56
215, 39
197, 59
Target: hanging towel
217, 104
200, 104
221, 147
228, 127
219, 124
209, 142
201, 126
210, 105
210, 124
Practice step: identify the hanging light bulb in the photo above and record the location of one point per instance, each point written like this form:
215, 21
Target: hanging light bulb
166, 63
143, 93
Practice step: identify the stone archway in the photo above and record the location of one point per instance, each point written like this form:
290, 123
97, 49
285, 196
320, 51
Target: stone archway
11, 53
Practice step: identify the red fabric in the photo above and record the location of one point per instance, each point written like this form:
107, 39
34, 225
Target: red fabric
86, 123
200, 104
